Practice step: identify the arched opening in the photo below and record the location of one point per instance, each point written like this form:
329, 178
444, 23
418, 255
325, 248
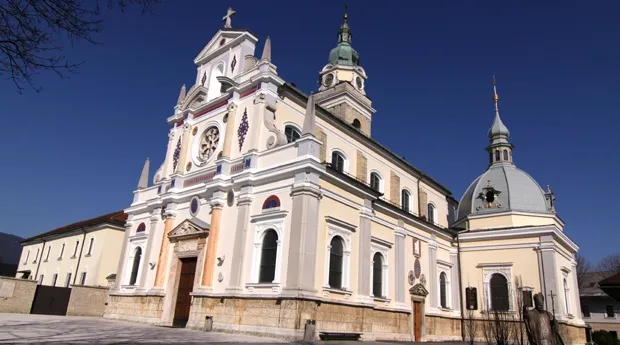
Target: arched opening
335, 262
505, 155
567, 297
292, 133
338, 161
214, 85
377, 275
356, 124
375, 181
499, 293
269, 251
497, 156
431, 213
404, 200
442, 290
136, 265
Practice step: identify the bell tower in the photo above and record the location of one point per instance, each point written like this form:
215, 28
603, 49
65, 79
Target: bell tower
342, 82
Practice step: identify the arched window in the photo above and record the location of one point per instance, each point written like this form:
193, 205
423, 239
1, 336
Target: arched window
497, 156
442, 290
215, 87
291, 133
356, 123
505, 155
338, 161
567, 297
335, 262
404, 200
377, 275
375, 181
271, 202
431, 213
136, 265
269, 251
499, 292
141, 227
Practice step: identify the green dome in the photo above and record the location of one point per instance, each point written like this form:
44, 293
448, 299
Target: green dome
344, 54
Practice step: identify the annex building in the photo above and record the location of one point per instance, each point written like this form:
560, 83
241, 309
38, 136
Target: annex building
273, 207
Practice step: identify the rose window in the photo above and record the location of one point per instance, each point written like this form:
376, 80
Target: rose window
208, 143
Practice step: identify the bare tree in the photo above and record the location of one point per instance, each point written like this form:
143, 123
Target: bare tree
30, 32
471, 326
519, 331
498, 327
609, 265
584, 267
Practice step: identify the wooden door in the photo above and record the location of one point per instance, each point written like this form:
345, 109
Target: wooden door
417, 321
186, 284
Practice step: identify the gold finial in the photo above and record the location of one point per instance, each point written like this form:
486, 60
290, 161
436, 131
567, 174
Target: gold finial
495, 96
346, 8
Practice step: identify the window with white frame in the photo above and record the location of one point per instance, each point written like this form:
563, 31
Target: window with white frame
405, 200
36, 257
47, 256
292, 133
336, 262
497, 287
445, 295
77, 244
567, 303
267, 255
376, 182
338, 253
339, 161
431, 213
27, 256
379, 268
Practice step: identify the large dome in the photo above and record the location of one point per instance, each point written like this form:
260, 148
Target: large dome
501, 188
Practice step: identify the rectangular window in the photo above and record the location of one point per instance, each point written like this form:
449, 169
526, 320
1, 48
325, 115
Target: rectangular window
27, 256
609, 310
54, 279
68, 279
40, 279
585, 309
77, 244
36, 256
62, 251
90, 246
49, 249
83, 278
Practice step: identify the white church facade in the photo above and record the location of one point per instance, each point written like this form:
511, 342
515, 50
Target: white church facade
273, 207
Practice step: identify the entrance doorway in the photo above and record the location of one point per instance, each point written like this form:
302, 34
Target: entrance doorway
417, 321
186, 284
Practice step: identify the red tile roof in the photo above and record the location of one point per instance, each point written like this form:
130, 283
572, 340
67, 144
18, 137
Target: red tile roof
613, 280
115, 218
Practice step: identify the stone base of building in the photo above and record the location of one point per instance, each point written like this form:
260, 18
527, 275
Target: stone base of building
143, 309
605, 326
571, 334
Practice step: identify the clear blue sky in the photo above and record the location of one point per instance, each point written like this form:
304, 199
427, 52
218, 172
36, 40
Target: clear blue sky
76, 149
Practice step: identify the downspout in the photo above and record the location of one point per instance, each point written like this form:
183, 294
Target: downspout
39, 264
458, 258
77, 267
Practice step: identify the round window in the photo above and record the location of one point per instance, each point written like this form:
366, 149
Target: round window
194, 206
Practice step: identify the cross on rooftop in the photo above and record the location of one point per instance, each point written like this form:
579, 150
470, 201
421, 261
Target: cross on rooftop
228, 18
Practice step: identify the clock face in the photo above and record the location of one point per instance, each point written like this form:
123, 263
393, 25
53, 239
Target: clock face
358, 82
328, 80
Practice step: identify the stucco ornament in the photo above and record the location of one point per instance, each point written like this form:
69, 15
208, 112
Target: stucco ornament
275, 137
208, 143
220, 277
242, 131
489, 195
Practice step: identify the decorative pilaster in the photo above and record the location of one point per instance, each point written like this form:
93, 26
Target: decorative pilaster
217, 204
241, 233
162, 262
230, 130
364, 264
432, 272
549, 273
400, 265
184, 146
146, 256
301, 267
575, 289
454, 280
123, 257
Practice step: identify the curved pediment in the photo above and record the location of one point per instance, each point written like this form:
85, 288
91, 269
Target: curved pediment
195, 98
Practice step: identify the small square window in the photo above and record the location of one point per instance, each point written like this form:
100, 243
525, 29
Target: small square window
585, 309
609, 310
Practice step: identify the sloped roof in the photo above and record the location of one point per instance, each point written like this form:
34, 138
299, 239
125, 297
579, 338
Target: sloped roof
114, 218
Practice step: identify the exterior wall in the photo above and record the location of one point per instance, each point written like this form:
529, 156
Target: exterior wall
514, 219
16, 295
598, 318
98, 264
145, 309
87, 301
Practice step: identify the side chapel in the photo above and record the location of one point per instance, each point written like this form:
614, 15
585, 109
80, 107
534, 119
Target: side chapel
273, 207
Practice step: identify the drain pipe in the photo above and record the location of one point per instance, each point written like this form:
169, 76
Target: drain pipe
39, 261
77, 267
458, 258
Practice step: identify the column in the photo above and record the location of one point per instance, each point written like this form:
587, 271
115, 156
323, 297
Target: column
455, 285
432, 272
549, 271
146, 256
123, 257
575, 290
241, 234
400, 265
184, 145
363, 283
217, 204
162, 262
230, 130
301, 260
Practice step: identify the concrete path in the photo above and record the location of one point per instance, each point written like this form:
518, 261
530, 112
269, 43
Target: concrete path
47, 329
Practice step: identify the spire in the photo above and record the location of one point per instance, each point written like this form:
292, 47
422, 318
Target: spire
310, 117
144, 176
344, 54
267, 50
181, 95
500, 149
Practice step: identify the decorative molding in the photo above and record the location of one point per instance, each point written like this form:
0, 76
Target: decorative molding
268, 216
418, 290
340, 223
381, 242
494, 264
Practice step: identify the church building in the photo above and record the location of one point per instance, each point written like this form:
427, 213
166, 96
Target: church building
274, 207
